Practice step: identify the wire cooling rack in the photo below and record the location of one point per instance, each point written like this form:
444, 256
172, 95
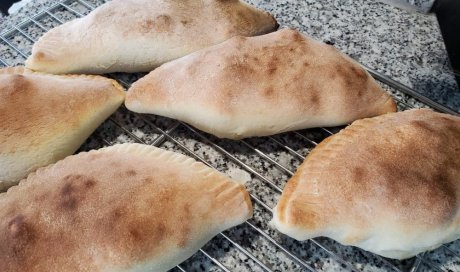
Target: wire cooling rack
265, 163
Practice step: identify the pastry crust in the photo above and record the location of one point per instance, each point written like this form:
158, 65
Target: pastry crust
128, 207
389, 184
139, 35
44, 118
259, 86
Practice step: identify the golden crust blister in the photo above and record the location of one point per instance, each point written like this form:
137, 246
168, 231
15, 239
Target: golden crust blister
121, 208
44, 118
387, 184
231, 89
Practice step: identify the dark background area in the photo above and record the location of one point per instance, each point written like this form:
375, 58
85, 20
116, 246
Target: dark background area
448, 14
5, 5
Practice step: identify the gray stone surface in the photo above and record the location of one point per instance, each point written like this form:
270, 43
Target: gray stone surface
404, 45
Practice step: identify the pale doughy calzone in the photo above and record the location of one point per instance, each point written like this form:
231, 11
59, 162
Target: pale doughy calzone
44, 118
389, 185
128, 207
139, 35
259, 86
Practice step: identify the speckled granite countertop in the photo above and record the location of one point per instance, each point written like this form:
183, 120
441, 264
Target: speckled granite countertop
403, 45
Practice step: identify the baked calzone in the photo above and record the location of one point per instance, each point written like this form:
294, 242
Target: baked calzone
139, 35
258, 86
389, 185
128, 207
44, 118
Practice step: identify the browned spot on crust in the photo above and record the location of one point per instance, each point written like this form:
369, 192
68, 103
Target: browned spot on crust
161, 23
166, 196
244, 21
293, 35
163, 20
306, 64
354, 78
160, 229
271, 70
16, 85
287, 194
333, 74
147, 25
358, 72
146, 233
115, 164
19, 229
160, 232
359, 174
448, 120
314, 99
147, 180
41, 197
419, 124
17, 91
435, 188
239, 68
40, 56
268, 91
343, 73
21, 235
116, 215
74, 191
89, 183
131, 173
68, 200
301, 214
135, 235
272, 65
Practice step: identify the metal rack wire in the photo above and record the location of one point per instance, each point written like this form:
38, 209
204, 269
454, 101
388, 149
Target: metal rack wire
268, 174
